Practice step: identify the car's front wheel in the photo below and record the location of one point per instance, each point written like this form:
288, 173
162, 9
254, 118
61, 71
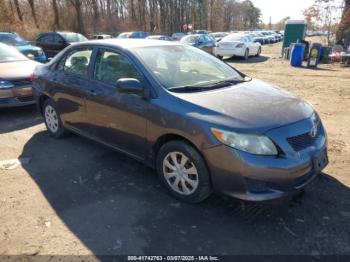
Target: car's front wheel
183, 171
52, 119
259, 52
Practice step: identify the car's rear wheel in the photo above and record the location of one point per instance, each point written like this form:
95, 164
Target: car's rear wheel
183, 172
246, 54
259, 52
53, 120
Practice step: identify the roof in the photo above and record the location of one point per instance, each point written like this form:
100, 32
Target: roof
129, 43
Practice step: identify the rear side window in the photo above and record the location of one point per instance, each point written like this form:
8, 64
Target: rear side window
77, 62
111, 66
57, 39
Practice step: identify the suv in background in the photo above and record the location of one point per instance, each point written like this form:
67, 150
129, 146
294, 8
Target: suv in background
53, 42
22, 45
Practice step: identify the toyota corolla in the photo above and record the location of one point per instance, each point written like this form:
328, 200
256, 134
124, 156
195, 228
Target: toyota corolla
203, 125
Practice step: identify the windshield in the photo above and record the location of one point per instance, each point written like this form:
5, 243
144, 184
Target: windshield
192, 39
238, 38
10, 54
12, 39
185, 66
124, 35
73, 37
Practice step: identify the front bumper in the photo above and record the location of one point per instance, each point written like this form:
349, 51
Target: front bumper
17, 96
257, 178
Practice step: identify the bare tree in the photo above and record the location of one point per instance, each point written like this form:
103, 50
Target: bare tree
32, 8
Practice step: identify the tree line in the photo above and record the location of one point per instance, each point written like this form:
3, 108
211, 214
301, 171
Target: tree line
155, 16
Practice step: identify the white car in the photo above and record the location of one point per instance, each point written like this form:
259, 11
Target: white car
237, 45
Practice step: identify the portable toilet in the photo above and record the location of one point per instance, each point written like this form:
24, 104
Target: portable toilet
294, 32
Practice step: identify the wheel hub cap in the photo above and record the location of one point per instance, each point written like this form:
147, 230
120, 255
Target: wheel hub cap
180, 173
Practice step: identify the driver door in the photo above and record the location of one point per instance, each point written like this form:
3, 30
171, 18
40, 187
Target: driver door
115, 118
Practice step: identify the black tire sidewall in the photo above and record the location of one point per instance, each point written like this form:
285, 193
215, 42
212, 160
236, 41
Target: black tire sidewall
246, 54
204, 187
61, 130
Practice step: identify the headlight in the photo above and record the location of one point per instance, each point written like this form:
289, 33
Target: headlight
251, 143
5, 84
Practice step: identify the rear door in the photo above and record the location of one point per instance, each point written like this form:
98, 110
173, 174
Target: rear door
44, 42
58, 44
71, 84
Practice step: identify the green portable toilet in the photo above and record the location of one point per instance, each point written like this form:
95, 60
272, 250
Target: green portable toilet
295, 31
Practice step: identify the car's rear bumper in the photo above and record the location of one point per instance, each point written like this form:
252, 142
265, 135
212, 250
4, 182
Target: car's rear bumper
18, 96
228, 52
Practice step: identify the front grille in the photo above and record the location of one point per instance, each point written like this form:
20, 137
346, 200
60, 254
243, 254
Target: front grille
22, 82
24, 99
303, 141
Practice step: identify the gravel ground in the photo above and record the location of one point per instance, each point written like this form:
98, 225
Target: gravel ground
75, 197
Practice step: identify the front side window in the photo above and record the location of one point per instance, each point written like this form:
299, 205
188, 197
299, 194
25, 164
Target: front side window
111, 66
77, 62
180, 65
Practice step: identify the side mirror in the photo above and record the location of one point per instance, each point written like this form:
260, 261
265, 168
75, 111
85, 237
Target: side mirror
130, 86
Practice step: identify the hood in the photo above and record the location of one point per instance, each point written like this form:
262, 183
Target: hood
251, 105
15, 70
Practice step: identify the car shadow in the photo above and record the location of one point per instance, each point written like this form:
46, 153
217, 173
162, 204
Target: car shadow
115, 205
251, 60
17, 118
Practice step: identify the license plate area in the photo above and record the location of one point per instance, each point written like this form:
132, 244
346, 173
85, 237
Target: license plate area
320, 161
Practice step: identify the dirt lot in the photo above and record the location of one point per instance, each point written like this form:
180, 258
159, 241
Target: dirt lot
73, 196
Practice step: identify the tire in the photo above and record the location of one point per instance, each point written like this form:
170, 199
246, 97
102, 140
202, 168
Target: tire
52, 120
259, 52
194, 166
246, 54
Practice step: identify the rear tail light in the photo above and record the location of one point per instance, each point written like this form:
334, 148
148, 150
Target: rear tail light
31, 77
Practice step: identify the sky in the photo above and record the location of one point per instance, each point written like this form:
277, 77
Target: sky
279, 9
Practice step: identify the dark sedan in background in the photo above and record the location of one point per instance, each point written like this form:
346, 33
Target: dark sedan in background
15, 78
53, 42
203, 125
201, 41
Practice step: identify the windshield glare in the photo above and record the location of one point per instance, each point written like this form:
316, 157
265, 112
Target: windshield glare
12, 39
73, 37
179, 66
10, 54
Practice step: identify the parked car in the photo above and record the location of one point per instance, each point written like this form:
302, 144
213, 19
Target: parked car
134, 35
257, 38
15, 77
201, 41
177, 36
53, 42
241, 45
218, 35
269, 38
204, 126
103, 36
22, 45
159, 37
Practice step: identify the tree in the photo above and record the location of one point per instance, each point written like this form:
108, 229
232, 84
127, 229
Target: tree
56, 24
32, 8
344, 26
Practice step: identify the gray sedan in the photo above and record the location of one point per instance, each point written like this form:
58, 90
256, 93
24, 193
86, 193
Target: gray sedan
204, 126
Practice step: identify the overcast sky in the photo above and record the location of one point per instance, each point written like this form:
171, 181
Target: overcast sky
279, 9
